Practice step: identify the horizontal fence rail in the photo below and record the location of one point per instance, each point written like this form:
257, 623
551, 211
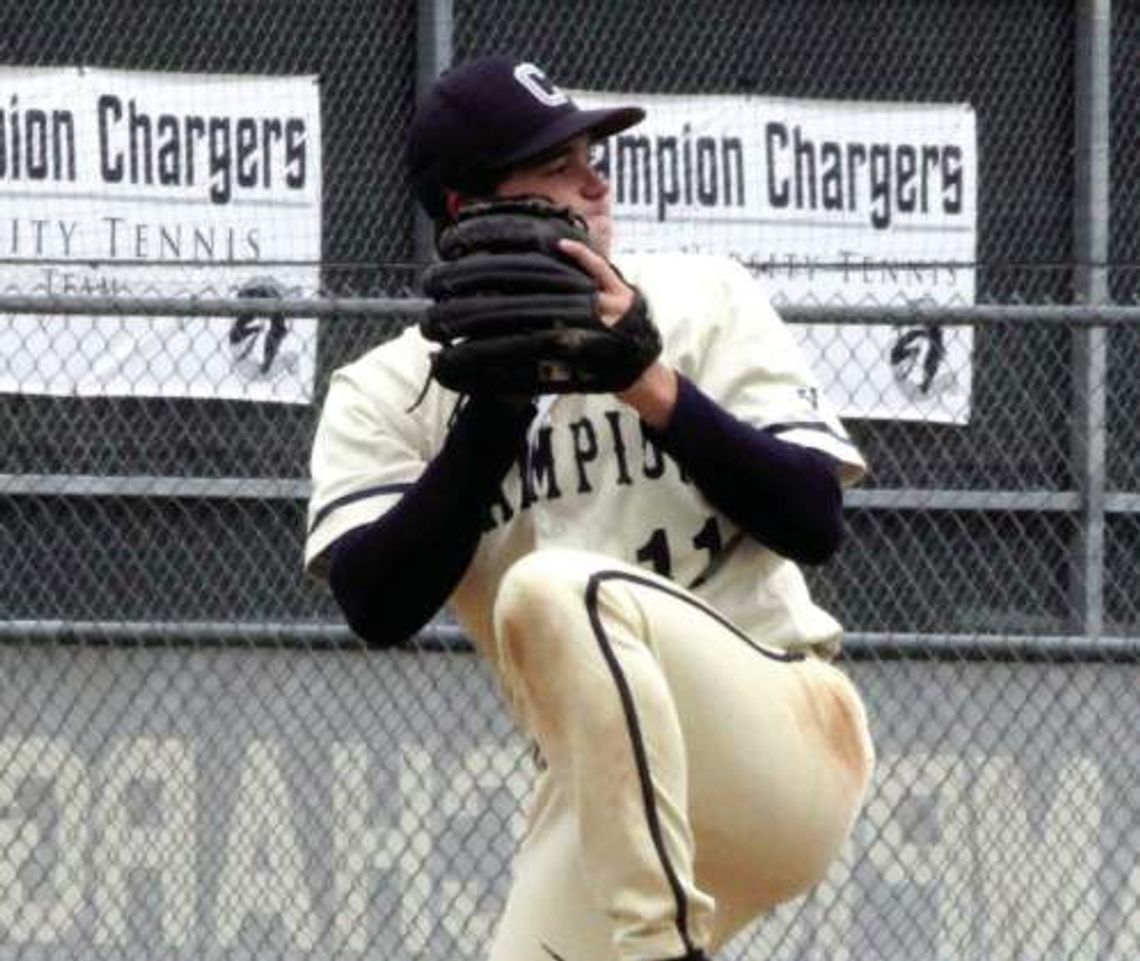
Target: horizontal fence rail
1100, 315
450, 638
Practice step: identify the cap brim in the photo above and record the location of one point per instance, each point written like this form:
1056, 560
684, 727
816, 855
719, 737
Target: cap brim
596, 123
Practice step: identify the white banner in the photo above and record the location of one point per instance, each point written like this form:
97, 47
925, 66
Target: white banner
828, 202
119, 183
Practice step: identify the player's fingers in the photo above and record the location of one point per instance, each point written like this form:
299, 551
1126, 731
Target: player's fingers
611, 307
593, 263
615, 296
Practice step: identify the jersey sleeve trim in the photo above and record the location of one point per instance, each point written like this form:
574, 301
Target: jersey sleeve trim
822, 437
814, 425
378, 491
340, 516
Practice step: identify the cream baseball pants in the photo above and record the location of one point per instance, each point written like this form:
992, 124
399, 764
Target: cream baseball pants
693, 778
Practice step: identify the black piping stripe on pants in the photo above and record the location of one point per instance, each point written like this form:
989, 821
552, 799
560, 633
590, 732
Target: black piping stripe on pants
634, 728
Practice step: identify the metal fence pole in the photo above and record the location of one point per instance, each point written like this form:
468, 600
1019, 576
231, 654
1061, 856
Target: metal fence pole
1090, 247
434, 49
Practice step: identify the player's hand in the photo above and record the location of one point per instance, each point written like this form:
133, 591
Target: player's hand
615, 296
654, 394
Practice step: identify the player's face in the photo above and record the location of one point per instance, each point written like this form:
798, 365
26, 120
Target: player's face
570, 179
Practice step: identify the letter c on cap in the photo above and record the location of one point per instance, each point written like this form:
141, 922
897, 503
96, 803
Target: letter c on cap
538, 85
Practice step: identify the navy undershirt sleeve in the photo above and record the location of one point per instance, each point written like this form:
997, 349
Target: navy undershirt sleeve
785, 496
392, 575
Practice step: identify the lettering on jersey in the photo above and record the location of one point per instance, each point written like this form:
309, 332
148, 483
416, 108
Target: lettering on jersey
654, 458
499, 511
585, 451
657, 553
546, 468
538, 469
613, 418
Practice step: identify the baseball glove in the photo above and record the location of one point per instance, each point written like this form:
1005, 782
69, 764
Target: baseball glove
513, 315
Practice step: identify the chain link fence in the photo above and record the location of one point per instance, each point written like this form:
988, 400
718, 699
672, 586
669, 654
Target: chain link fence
197, 760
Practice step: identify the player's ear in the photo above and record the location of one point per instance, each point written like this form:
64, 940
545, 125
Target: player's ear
454, 201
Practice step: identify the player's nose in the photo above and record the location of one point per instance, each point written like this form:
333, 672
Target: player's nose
595, 185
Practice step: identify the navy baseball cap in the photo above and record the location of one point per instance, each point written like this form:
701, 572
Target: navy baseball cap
487, 115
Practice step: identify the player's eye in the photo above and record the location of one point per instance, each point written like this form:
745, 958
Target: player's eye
599, 156
553, 166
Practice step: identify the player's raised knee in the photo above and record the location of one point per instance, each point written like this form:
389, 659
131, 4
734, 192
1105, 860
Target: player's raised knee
535, 610
551, 569
544, 588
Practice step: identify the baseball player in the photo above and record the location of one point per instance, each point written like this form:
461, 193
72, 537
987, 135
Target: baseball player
611, 469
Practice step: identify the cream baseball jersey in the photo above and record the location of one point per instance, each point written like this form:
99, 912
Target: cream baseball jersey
591, 476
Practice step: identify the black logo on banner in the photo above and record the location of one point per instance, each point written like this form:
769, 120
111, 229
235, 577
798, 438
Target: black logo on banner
255, 340
918, 362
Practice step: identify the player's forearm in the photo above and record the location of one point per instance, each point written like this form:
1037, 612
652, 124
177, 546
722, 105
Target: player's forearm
786, 496
653, 395
391, 576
